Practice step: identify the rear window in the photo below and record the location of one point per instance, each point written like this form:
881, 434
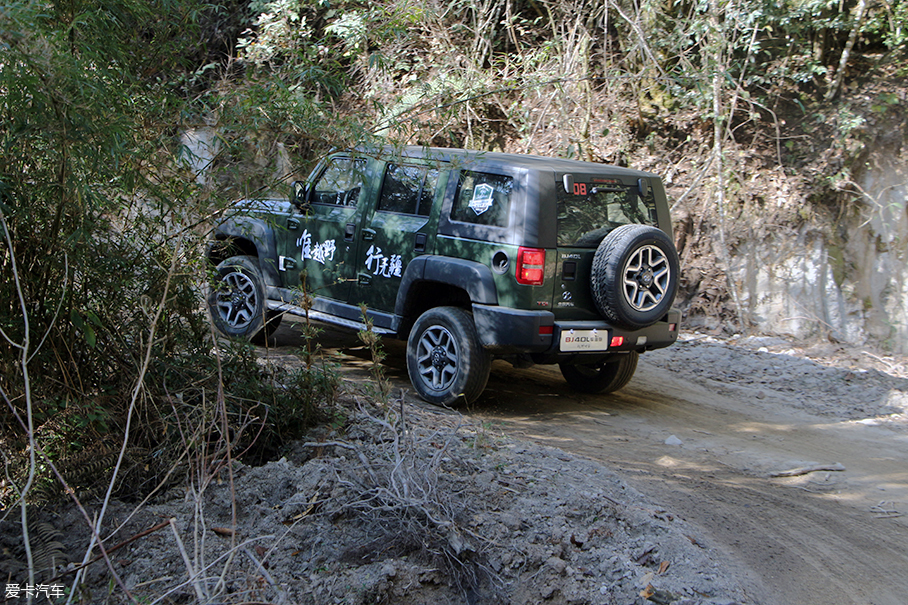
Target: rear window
593, 210
483, 199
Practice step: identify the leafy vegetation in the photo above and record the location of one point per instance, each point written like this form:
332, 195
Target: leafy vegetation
102, 224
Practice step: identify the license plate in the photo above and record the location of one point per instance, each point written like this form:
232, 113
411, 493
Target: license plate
584, 340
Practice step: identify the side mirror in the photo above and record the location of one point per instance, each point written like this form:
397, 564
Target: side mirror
299, 194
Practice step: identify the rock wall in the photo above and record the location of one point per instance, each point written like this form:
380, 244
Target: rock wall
847, 282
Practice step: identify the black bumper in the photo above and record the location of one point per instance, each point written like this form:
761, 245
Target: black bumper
504, 330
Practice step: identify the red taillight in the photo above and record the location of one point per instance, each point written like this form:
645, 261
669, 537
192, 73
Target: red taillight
546, 330
617, 341
530, 266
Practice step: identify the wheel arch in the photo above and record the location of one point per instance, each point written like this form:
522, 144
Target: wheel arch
436, 281
225, 246
246, 238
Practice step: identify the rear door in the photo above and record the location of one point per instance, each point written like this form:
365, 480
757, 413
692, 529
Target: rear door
395, 231
596, 205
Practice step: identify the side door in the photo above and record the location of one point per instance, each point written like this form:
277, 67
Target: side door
395, 231
320, 241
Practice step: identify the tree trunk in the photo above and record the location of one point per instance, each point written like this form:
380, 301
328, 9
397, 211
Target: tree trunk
846, 54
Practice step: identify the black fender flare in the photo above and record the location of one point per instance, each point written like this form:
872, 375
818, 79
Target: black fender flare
474, 278
260, 235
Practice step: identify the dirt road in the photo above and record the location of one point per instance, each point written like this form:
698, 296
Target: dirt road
702, 429
747, 472
818, 538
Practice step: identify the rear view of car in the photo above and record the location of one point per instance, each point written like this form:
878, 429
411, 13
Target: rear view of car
466, 255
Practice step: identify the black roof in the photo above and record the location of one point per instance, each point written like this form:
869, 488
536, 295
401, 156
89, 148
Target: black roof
537, 162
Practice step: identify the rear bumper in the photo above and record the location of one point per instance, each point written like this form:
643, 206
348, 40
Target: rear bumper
504, 330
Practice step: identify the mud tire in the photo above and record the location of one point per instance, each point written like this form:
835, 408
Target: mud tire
446, 362
236, 299
603, 378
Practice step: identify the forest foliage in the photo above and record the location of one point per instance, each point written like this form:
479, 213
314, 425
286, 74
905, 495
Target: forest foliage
102, 222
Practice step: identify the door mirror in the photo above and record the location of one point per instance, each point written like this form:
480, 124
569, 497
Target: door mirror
299, 194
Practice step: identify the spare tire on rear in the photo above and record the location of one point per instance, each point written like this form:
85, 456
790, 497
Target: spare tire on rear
634, 276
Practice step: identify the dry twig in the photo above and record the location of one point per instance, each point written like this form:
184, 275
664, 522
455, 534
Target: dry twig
803, 470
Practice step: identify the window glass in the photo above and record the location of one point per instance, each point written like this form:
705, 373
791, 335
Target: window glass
427, 195
483, 199
408, 189
586, 217
340, 183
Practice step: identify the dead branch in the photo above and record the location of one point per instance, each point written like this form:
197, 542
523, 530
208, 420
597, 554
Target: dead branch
126, 542
803, 470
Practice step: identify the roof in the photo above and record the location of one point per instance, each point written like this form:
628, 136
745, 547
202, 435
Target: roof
537, 162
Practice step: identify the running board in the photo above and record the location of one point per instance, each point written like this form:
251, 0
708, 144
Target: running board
284, 307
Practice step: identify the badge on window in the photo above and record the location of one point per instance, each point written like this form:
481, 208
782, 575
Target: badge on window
482, 198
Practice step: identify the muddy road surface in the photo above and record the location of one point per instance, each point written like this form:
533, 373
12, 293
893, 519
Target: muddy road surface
793, 462
828, 536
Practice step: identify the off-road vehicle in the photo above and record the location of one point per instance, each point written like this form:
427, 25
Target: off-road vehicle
468, 256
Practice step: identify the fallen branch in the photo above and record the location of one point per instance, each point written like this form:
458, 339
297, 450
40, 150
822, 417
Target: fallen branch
281, 594
803, 470
881, 511
111, 550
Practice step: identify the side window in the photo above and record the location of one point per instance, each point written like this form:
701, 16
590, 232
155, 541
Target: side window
408, 190
340, 183
483, 199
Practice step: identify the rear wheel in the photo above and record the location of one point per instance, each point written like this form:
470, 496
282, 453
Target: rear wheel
601, 378
445, 359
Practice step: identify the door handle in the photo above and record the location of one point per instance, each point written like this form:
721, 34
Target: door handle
420, 244
368, 234
349, 232
293, 224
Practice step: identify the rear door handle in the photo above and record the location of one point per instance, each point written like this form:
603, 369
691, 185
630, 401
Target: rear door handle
368, 234
349, 232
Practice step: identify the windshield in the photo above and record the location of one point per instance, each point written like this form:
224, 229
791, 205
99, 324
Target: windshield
588, 215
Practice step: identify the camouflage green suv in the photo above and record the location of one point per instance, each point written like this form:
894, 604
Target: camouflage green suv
469, 256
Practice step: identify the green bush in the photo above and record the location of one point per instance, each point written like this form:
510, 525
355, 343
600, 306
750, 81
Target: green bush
104, 336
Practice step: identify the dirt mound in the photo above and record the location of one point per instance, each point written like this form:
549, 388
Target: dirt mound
407, 505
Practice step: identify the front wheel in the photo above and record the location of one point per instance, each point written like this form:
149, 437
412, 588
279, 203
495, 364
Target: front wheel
445, 359
602, 378
237, 301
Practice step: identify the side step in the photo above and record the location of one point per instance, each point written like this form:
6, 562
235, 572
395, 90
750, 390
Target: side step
284, 307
